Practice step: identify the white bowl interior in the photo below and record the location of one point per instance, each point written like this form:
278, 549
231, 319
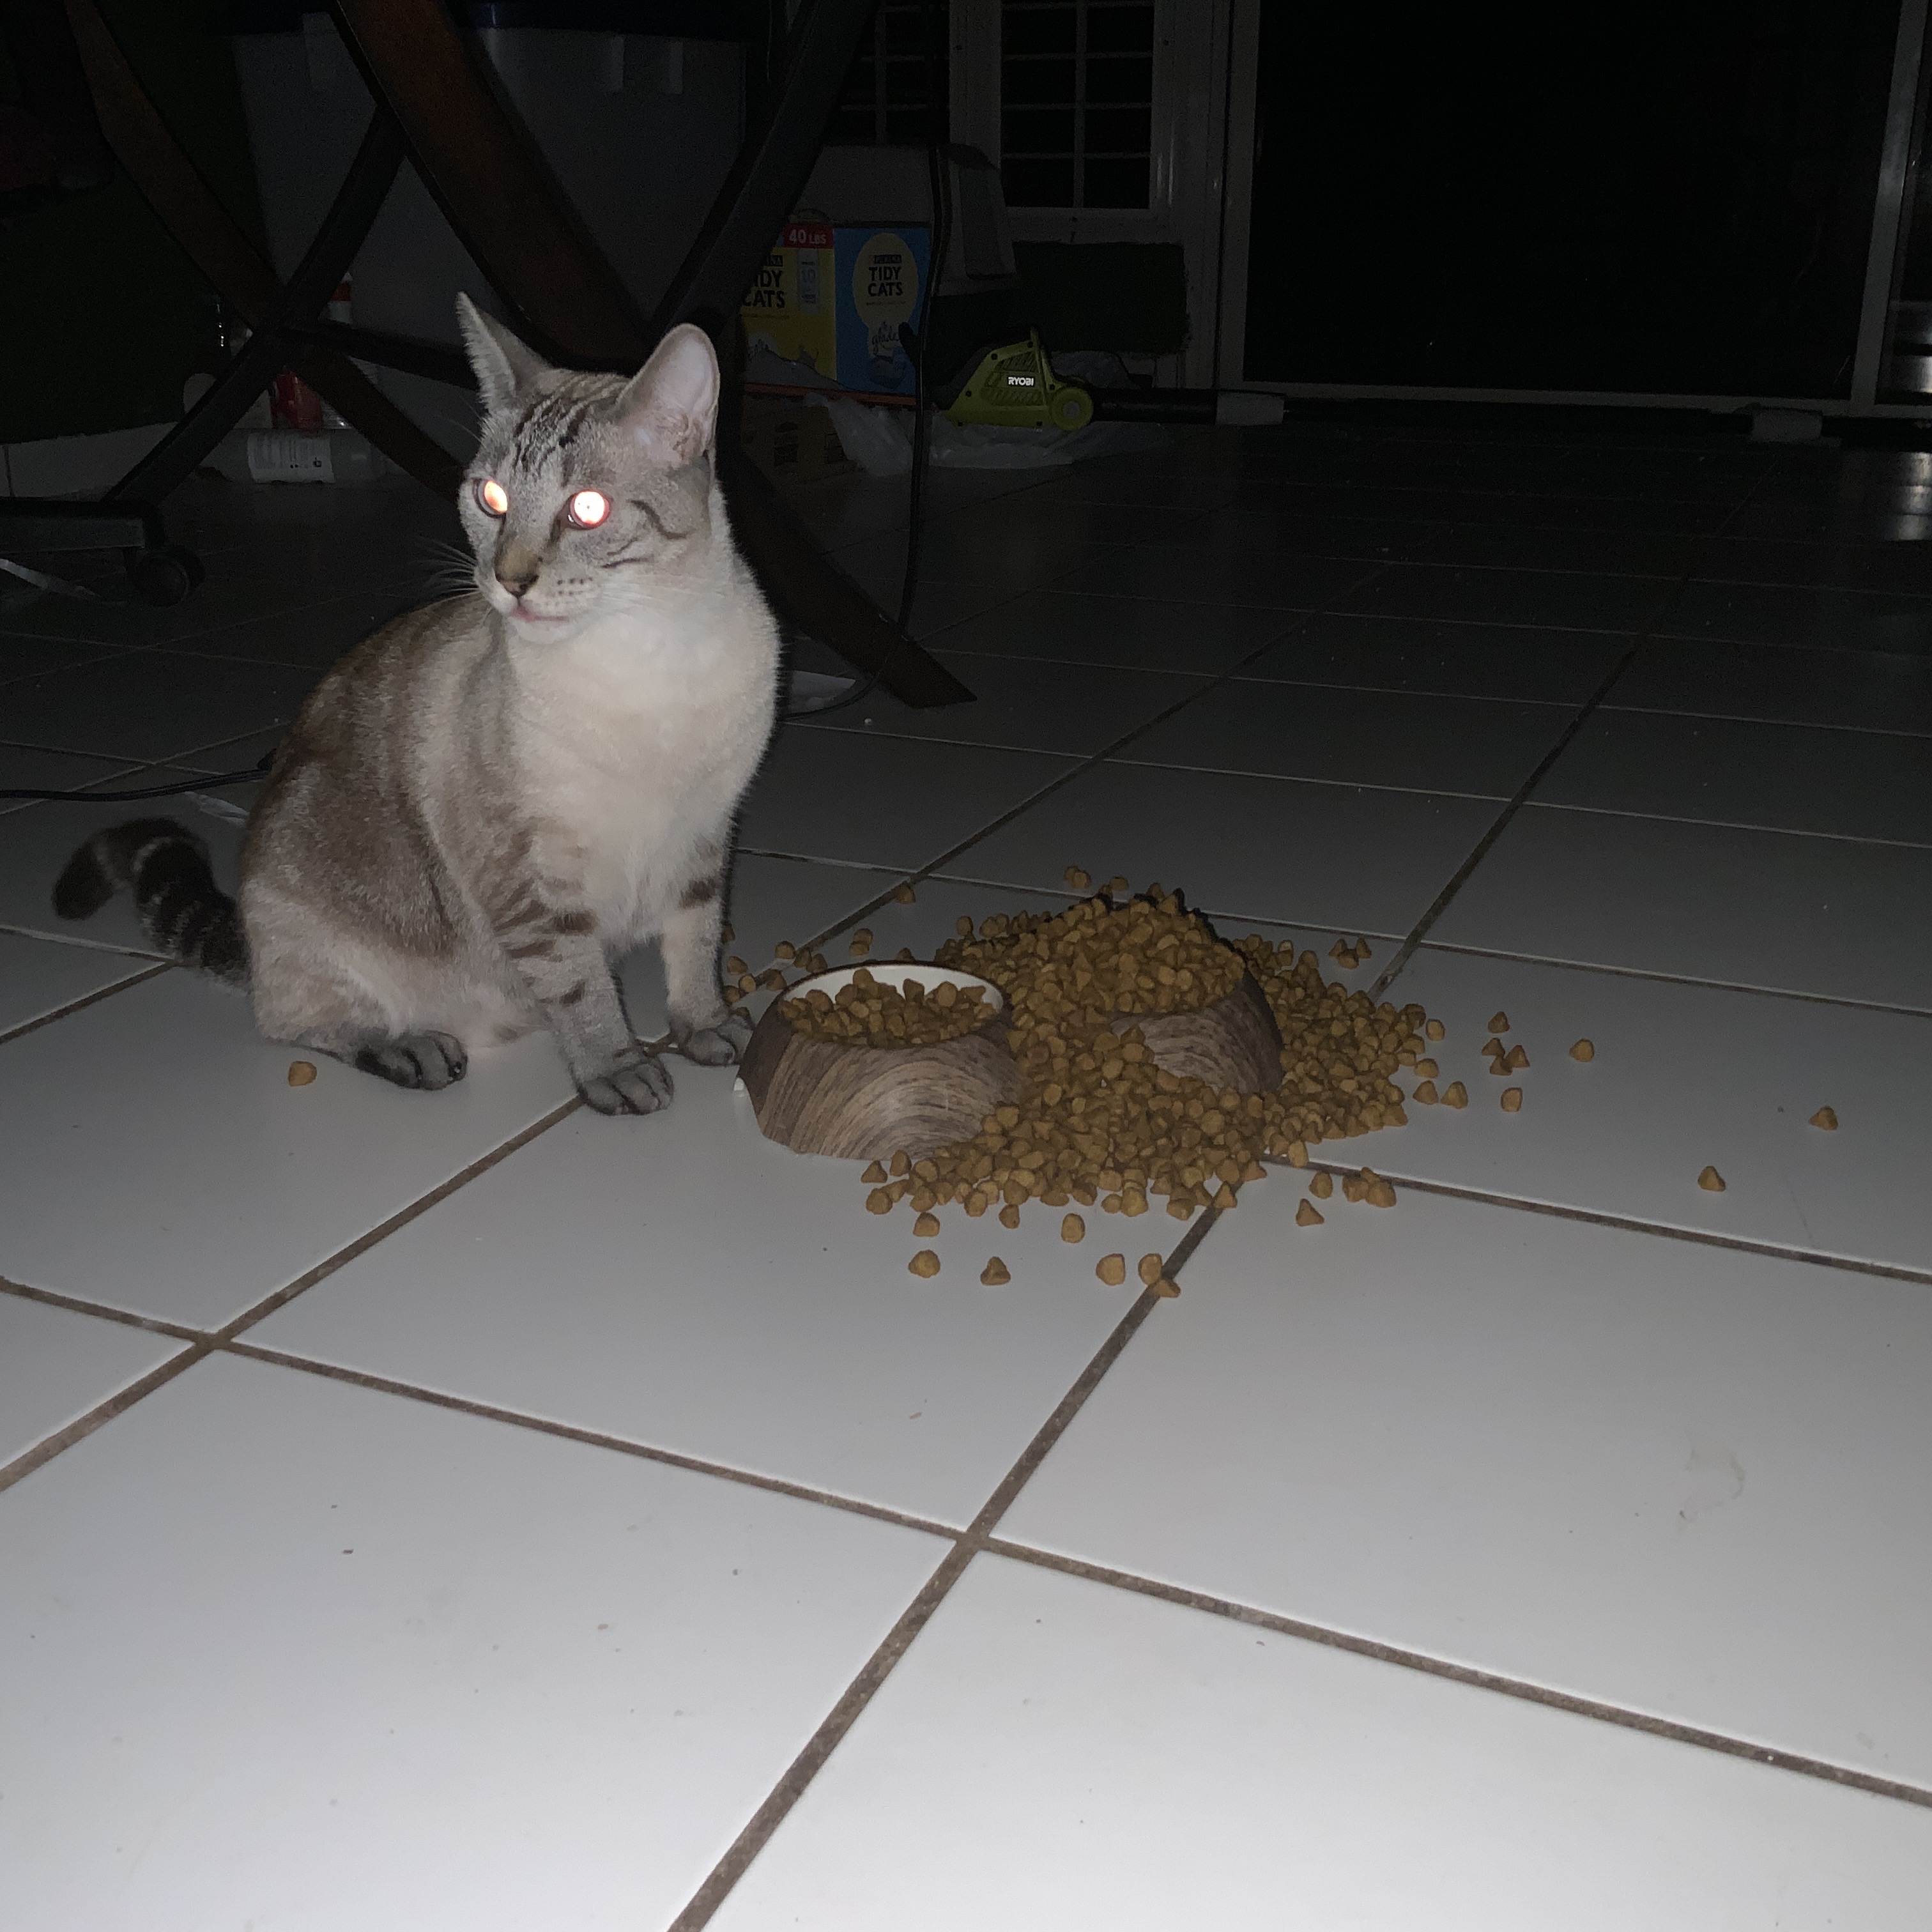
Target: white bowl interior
895, 973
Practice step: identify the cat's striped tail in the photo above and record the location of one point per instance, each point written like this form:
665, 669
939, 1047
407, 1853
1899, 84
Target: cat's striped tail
185, 915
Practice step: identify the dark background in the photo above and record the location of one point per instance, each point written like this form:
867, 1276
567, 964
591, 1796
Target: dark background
1630, 198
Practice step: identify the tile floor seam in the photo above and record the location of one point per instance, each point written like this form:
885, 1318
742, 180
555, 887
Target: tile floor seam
798, 1776
596, 1439
1774, 724
1557, 1211
1597, 1710
80, 1304
1670, 979
1296, 778
86, 1000
1295, 620
84, 1425
1078, 764
1485, 845
1732, 825
1409, 690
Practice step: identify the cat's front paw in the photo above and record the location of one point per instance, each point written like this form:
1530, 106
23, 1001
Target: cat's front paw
717, 1046
638, 1086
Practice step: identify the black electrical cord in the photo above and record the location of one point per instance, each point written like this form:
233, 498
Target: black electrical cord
941, 187
210, 783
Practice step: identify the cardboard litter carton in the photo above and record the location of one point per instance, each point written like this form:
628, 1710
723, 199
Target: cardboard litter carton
792, 442
828, 303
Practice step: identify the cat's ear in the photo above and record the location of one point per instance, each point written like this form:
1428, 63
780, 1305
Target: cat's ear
670, 405
505, 367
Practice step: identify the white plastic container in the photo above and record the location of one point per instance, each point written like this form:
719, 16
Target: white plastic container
294, 456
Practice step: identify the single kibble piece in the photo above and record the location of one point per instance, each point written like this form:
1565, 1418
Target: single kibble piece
1380, 1194
879, 1201
1110, 1204
1112, 1269
1072, 1229
734, 966
902, 1164
1362, 951
859, 948
784, 949
1512, 1099
1076, 878
925, 1265
1711, 1181
994, 1274
1826, 1117
963, 926
1425, 1093
1427, 1069
1133, 1200
1495, 1049
1115, 884
905, 894
301, 1071
926, 1226
1180, 1209
1307, 1215
1339, 950
1499, 1022
747, 983
1353, 1187
1322, 1185
1518, 1059
1455, 1094
1435, 1030
1150, 1267
1297, 1153
1164, 1289
874, 1176
1010, 1216
1583, 1050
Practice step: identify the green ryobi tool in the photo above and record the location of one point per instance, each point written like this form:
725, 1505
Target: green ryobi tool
1014, 387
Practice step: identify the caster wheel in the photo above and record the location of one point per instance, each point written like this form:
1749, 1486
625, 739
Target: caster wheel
164, 576
1071, 408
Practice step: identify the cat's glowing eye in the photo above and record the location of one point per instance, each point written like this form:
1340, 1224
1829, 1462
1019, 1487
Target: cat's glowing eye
588, 509
492, 496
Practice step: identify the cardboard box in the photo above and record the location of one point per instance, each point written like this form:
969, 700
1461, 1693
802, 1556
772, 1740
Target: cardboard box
828, 303
792, 442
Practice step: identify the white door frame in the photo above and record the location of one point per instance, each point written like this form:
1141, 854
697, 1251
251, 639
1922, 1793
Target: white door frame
1189, 151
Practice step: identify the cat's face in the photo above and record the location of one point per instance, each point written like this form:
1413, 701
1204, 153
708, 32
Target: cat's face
588, 495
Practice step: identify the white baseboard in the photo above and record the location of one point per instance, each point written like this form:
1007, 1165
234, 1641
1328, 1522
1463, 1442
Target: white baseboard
75, 466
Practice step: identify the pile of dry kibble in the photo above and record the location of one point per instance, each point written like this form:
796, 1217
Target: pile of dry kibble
1098, 1122
871, 1012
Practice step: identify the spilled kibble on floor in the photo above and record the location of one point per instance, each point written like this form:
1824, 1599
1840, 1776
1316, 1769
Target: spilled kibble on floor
302, 1072
1499, 1022
1455, 1094
1322, 1187
1512, 1099
1583, 1050
905, 894
1072, 1229
994, 1274
925, 1265
1096, 1119
1112, 1269
926, 1226
1711, 1181
1826, 1117
1150, 1268
1436, 1031
1307, 1215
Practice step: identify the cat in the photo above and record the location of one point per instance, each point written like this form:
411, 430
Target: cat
491, 798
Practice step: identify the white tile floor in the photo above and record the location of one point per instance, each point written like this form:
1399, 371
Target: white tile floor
460, 1510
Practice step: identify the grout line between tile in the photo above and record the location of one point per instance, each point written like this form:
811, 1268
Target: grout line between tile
79, 1304
1720, 1741
1597, 1218
85, 999
1732, 825
1672, 978
596, 1439
791, 1786
49, 1447
1460, 877
261, 1310
1770, 724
